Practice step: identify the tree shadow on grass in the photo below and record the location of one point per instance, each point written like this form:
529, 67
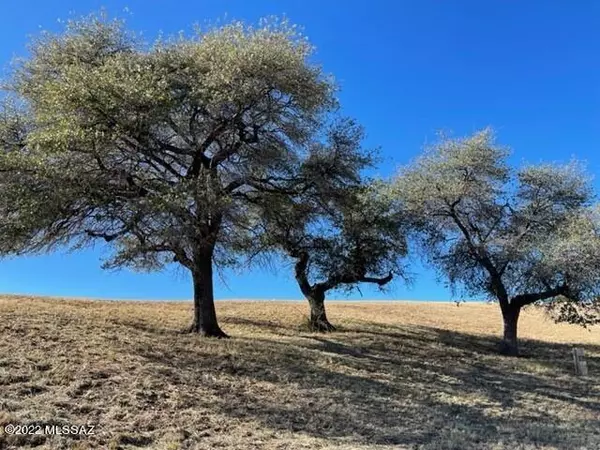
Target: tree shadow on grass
263, 325
416, 387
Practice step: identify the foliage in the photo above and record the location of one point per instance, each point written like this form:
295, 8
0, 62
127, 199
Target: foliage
519, 236
340, 228
149, 147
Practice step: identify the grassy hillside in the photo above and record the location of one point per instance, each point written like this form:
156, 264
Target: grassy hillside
406, 375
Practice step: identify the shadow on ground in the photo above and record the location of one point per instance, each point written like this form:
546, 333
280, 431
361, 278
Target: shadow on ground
413, 387
273, 386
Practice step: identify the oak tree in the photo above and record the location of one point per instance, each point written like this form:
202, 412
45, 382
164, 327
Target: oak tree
154, 148
520, 236
338, 227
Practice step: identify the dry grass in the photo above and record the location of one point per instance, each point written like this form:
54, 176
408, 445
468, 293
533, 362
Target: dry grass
397, 376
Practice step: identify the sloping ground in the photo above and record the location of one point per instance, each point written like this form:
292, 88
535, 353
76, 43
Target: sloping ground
421, 376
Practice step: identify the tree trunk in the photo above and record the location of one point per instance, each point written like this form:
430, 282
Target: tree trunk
205, 316
509, 345
318, 317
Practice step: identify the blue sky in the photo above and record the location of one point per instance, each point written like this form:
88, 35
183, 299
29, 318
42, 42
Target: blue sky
406, 69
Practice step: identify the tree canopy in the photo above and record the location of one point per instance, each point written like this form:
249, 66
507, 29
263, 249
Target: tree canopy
340, 228
519, 236
200, 150
154, 148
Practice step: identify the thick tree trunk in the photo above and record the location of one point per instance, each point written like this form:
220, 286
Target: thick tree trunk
205, 316
318, 317
509, 345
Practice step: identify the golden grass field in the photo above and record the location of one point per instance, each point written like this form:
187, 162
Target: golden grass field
398, 376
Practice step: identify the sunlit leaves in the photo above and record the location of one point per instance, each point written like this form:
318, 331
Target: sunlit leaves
147, 145
481, 222
342, 225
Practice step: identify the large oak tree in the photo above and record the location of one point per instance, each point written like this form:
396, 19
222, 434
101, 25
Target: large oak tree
154, 148
520, 236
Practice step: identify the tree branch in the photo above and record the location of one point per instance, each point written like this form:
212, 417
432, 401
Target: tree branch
301, 269
379, 281
226, 152
108, 237
482, 258
200, 158
527, 299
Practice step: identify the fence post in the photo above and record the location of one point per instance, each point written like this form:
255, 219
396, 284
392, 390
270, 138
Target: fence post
580, 362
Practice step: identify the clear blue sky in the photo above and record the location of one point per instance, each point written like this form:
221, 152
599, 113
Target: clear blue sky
531, 69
